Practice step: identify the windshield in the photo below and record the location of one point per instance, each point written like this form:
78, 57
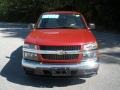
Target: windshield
48, 21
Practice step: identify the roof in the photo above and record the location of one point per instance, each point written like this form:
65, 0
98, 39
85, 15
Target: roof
62, 12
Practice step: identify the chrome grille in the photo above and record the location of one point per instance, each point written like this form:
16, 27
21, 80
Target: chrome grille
60, 57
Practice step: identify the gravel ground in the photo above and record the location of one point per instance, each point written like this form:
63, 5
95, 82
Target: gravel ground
12, 76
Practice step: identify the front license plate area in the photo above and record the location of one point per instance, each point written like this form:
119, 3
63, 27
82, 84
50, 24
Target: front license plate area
61, 72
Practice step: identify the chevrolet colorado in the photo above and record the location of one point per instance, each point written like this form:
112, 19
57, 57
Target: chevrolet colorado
61, 44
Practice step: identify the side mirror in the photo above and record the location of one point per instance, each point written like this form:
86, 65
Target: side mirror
31, 26
92, 26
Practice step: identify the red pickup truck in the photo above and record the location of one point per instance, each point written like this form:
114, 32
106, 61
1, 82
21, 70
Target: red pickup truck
61, 44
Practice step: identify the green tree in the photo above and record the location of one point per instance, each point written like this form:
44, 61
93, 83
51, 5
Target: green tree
104, 12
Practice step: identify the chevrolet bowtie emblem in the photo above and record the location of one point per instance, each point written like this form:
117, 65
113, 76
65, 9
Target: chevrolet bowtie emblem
61, 52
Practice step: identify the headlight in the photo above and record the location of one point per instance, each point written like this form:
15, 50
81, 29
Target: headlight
29, 55
90, 51
30, 46
90, 46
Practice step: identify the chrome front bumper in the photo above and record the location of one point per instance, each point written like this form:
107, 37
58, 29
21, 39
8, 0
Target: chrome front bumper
82, 69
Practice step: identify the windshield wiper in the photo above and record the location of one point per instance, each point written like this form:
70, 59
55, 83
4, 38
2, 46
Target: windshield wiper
46, 28
61, 27
69, 27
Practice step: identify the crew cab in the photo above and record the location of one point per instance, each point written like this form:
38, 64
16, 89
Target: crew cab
61, 44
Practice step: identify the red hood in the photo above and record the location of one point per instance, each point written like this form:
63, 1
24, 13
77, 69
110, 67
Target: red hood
59, 37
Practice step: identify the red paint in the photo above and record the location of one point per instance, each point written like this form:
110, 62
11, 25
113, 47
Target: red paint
60, 37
